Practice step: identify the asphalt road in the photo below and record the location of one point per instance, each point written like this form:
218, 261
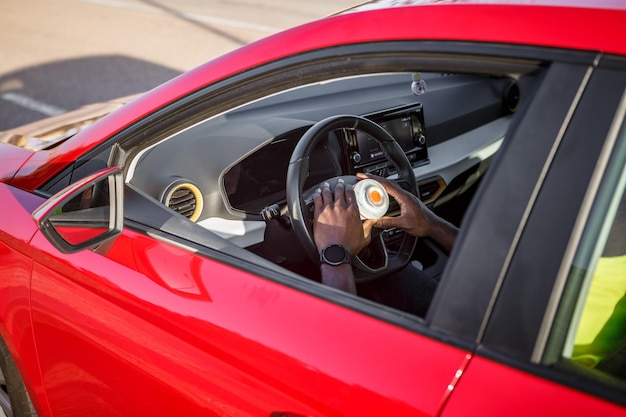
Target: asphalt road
58, 55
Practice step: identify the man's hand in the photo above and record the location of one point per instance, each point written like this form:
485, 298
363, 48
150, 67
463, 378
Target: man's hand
415, 218
336, 220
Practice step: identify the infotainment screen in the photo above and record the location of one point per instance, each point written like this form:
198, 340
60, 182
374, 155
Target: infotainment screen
400, 128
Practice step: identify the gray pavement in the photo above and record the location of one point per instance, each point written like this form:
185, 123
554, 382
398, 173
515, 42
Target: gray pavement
61, 54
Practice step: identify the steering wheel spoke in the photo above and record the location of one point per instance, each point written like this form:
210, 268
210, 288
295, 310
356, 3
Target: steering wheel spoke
373, 258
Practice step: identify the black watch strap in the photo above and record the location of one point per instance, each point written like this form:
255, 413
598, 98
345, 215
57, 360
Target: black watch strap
334, 255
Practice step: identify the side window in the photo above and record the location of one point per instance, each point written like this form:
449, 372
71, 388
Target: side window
589, 334
599, 332
86, 165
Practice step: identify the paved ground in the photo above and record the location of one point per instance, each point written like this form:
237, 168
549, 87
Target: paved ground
60, 54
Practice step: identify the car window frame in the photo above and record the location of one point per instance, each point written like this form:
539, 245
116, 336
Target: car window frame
505, 340
429, 55
479, 283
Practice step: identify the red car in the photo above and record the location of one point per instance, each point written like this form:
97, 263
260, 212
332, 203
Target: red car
160, 261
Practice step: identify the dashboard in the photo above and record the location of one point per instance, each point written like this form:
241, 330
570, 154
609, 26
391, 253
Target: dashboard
235, 164
259, 179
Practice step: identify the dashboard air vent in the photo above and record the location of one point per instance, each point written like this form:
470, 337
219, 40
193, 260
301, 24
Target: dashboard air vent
431, 189
184, 198
511, 96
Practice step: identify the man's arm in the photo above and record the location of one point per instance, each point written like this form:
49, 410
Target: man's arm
336, 221
415, 218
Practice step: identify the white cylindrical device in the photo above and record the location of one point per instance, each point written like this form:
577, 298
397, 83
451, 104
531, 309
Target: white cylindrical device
372, 199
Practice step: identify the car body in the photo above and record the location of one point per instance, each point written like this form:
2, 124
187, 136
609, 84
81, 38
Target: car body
117, 298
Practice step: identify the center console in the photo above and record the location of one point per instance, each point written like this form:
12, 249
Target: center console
365, 154
405, 124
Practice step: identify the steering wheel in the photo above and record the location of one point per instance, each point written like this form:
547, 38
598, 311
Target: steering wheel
376, 260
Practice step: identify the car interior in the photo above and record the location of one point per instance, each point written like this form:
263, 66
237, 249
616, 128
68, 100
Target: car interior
229, 173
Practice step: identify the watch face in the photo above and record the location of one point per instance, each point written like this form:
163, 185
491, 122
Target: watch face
335, 255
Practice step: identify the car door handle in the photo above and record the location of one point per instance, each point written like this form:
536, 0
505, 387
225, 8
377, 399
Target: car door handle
286, 414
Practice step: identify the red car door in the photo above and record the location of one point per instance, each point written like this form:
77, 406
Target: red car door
489, 388
155, 328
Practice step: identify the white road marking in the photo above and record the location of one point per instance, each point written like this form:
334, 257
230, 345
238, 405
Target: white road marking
32, 104
191, 16
231, 23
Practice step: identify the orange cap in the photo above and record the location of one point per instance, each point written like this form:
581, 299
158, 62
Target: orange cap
375, 196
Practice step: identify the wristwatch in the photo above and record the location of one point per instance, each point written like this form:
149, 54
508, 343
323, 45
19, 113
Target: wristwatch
334, 255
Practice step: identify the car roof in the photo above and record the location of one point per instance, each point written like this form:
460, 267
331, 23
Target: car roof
537, 23
594, 4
